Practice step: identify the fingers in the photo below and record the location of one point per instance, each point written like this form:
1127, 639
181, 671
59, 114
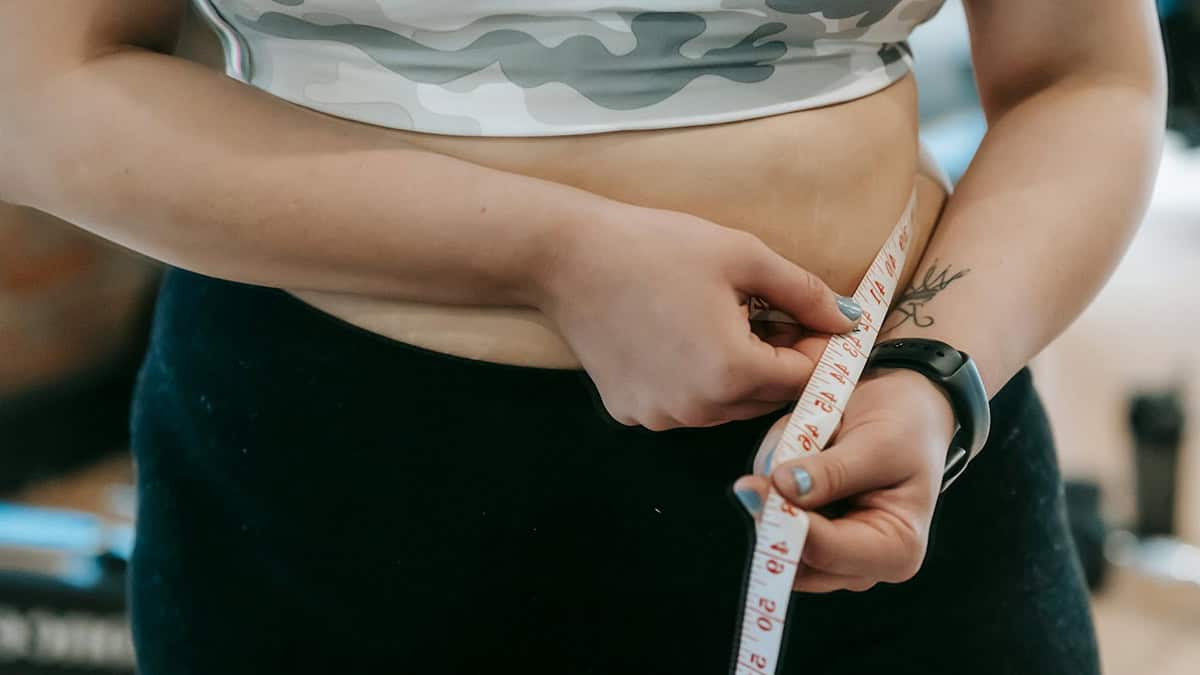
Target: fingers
851, 553
764, 457
883, 536
796, 291
709, 417
784, 383
763, 366
878, 544
777, 334
776, 373
744, 410
851, 466
809, 580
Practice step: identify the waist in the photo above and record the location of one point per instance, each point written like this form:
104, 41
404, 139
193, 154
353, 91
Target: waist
822, 187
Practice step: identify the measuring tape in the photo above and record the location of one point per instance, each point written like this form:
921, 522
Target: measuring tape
780, 533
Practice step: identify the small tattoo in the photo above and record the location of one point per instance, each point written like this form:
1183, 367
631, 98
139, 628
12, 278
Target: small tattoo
911, 305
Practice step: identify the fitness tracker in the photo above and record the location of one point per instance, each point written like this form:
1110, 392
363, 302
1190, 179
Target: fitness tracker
955, 373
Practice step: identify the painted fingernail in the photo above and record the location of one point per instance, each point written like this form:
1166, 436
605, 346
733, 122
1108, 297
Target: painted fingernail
849, 307
750, 500
768, 463
803, 481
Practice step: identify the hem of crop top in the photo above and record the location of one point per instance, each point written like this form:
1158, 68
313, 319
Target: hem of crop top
862, 83
865, 84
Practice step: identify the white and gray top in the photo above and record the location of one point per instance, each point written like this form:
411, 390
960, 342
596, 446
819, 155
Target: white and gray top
556, 67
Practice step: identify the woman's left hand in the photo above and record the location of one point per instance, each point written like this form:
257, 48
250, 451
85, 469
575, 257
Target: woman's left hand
884, 465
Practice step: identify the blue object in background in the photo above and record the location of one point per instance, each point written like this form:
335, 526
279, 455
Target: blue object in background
952, 124
67, 531
953, 139
74, 538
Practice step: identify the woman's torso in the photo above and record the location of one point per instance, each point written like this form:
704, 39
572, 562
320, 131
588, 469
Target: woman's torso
821, 186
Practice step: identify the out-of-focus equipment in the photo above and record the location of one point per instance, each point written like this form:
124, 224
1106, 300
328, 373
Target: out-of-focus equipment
1156, 423
1156, 419
1087, 529
62, 602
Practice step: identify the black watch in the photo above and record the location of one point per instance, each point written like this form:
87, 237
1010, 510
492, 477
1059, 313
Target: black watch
955, 373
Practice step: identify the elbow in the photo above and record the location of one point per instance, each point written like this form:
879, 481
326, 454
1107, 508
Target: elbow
1132, 101
1146, 84
43, 47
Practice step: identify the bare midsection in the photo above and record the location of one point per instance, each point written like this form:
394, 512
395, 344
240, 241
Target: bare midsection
822, 187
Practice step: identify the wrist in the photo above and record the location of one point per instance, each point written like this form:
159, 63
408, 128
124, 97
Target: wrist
569, 246
929, 400
955, 373
556, 248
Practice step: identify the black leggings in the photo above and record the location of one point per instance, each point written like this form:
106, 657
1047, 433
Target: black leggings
315, 497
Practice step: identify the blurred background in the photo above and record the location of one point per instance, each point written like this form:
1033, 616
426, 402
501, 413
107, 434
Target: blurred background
1122, 386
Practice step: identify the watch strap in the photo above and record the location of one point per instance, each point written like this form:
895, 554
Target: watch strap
955, 373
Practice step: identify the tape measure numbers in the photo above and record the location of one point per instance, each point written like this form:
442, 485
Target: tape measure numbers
780, 533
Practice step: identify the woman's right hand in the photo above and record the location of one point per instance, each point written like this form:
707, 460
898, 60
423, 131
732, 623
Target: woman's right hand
654, 305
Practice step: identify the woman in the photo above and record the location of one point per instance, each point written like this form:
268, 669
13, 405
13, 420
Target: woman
502, 225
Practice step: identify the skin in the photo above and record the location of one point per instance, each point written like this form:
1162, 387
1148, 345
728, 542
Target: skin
315, 206
339, 211
1072, 115
759, 174
783, 179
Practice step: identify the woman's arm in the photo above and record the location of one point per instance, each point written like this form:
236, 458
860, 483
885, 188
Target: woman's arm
206, 173
1075, 96
203, 172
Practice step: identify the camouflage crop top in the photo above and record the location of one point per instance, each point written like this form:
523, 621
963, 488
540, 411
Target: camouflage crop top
551, 67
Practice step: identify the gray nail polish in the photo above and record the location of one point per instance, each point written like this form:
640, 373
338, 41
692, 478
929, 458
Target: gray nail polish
849, 307
803, 481
750, 500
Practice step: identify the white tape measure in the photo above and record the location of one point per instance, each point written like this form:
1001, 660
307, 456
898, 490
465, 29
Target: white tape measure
780, 533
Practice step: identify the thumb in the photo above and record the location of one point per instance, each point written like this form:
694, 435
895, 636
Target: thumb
797, 292
847, 468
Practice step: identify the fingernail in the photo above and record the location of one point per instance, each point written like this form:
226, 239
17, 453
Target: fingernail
803, 481
750, 500
850, 307
768, 463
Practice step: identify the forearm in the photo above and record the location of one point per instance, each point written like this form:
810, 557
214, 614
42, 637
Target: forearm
1037, 224
203, 172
